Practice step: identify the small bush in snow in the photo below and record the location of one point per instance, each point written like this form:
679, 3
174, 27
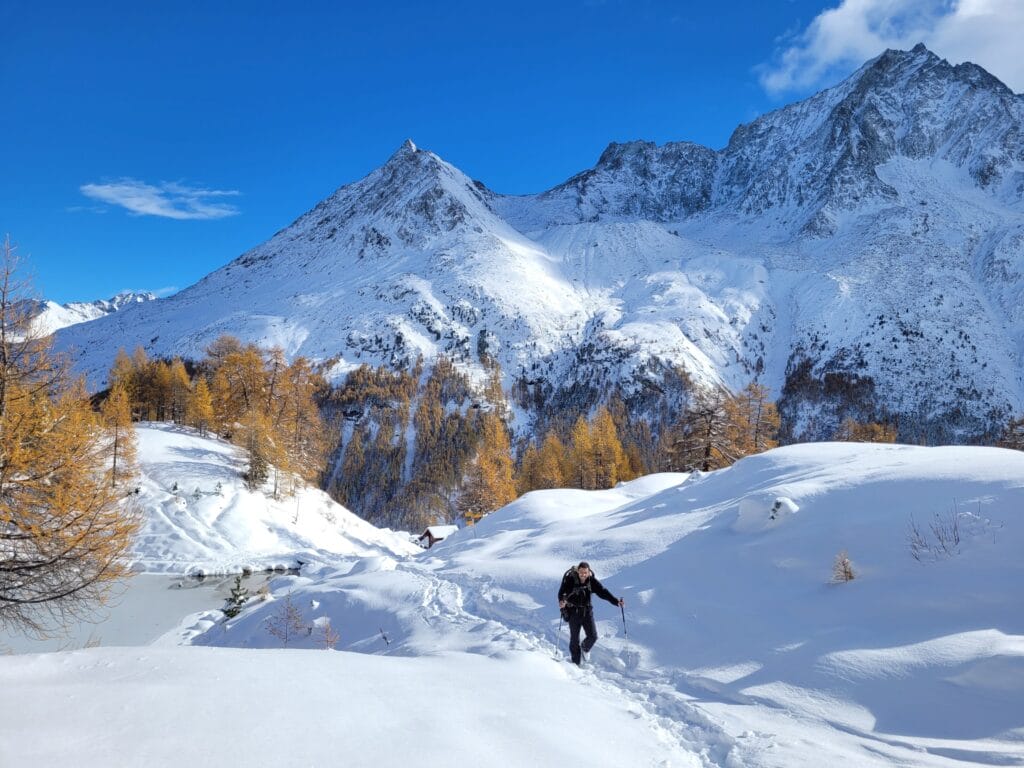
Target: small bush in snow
286, 624
943, 536
328, 637
939, 540
842, 568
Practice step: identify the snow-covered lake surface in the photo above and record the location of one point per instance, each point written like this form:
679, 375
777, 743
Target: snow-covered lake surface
741, 648
145, 608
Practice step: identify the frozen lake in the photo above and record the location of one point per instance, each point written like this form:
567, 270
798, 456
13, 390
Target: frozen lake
147, 607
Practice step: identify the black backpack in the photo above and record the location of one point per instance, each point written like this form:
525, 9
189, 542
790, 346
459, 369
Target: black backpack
568, 607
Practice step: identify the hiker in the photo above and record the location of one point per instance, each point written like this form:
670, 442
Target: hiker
574, 602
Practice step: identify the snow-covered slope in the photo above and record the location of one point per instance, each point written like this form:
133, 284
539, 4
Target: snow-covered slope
860, 251
199, 516
737, 639
737, 647
169, 708
49, 316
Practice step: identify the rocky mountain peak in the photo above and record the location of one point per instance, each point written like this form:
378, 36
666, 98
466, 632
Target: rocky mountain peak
854, 234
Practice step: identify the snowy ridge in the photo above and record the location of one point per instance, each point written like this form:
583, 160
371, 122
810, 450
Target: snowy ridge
49, 317
870, 235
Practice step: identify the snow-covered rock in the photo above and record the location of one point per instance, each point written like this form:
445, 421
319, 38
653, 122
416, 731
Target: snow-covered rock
759, 511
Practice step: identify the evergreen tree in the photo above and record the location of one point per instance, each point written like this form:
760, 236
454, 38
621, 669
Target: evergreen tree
256, 437
236, 599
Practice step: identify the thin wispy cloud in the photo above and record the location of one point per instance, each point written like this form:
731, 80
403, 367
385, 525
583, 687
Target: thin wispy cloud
168, 199
86, 209
986, 32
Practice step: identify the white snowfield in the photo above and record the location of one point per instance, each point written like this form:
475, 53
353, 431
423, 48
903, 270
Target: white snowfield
199, 517
741, 649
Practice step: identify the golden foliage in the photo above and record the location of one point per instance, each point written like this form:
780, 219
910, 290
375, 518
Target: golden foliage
199, 406
255, 398
852, 431
489, 484
116, 415
64, 529
718, 428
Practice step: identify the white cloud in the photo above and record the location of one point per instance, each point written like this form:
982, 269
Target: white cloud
170, 200
986, 32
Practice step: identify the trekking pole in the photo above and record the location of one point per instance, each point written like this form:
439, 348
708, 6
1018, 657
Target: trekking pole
559, 644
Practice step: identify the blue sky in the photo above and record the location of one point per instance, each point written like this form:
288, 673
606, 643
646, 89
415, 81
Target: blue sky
146, 144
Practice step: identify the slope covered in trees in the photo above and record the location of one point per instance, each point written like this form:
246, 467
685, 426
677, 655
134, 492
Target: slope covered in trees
253, 397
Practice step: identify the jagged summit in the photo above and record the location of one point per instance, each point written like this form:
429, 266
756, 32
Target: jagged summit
49, 316
845, 249
806, 163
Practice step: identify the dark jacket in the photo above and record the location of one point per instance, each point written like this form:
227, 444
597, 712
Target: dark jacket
577, 594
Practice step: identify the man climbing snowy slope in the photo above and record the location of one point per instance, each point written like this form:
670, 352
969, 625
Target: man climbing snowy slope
578, 584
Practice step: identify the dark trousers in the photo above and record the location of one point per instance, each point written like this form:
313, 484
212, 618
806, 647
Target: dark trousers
581, 618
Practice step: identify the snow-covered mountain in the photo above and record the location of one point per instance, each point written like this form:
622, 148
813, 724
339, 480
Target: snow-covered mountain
862, 252
49, 316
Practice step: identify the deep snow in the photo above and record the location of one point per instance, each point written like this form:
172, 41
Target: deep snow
199, 517
741, 649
